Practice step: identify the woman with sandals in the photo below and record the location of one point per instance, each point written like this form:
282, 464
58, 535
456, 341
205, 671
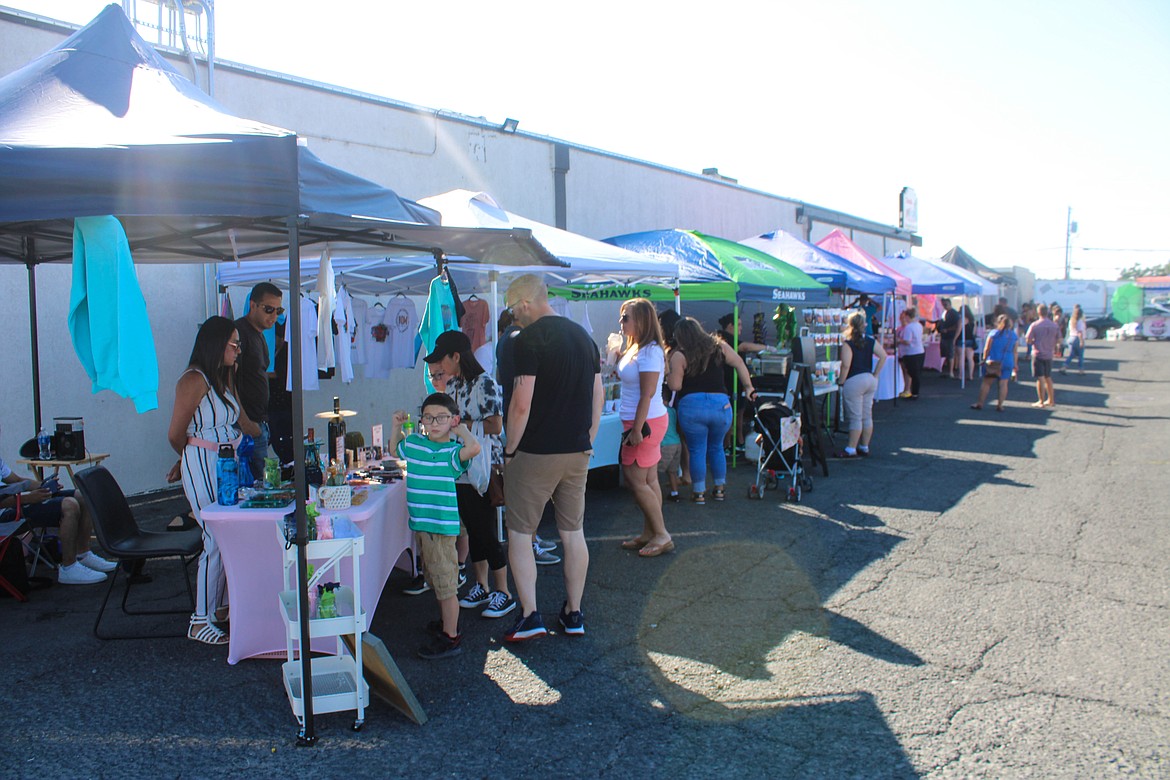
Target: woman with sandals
641, 365
999, 361
206, 415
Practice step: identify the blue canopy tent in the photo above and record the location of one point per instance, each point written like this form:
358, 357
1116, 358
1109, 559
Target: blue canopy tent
102, 125
929, 279
821, 264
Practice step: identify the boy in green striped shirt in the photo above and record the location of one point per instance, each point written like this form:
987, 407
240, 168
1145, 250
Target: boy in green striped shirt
433, 462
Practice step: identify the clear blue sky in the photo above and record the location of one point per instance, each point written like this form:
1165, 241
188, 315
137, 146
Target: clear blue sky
1001, 114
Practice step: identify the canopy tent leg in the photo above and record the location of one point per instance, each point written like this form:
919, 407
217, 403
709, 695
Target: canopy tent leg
307, 735
34, 337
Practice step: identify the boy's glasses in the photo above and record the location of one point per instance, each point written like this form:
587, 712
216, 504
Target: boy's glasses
438, 419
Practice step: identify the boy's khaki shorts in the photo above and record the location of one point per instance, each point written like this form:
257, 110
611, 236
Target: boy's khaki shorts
441, 563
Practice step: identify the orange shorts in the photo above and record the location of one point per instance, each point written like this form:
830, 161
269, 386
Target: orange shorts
649, 451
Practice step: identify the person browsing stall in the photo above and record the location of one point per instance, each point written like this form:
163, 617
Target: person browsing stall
704, 407
552, 421
433, 462
858, 381
455, 370
264, 306
205, 416
640, 366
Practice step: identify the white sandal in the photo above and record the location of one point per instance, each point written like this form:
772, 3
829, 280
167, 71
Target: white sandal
202, 631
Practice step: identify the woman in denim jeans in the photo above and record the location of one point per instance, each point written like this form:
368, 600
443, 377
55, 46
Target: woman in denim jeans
704, 407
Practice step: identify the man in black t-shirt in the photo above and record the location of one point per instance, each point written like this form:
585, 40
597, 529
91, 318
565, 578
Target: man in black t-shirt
252, 365
552, 420
948, 330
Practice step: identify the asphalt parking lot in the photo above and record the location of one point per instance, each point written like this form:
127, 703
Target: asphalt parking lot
986, 596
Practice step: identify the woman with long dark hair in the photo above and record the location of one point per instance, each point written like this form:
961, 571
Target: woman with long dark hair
858, 381
704, 407
206, 415
641, 366
454, 370
967, 339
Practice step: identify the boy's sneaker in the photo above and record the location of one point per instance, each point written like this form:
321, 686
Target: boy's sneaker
543, 544
499, 604
527, 627
417, 586
462, 575
544, 557
572, 622
77, 574
441, 646
476, 597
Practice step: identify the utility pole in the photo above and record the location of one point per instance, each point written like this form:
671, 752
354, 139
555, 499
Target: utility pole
1069, 228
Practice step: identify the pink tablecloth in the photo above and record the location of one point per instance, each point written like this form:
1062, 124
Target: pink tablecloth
933, 357
253, 556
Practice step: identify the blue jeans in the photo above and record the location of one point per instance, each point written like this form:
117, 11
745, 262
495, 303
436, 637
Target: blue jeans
1075, 349
704, 419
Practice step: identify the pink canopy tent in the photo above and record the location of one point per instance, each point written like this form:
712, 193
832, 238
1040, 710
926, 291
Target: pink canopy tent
839, 244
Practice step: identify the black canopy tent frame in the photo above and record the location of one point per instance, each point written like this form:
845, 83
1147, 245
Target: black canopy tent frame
101, 125
496, 242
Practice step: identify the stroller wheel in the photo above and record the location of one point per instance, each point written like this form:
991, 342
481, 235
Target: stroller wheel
771, 483
794, 494
754, 492
806, 483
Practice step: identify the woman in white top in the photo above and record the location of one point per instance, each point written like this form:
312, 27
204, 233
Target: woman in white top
912, 353
641, 366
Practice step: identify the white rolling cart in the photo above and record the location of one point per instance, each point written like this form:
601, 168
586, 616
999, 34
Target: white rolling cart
338, 683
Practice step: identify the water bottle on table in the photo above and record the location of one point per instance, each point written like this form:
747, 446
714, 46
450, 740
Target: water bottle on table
227, 477
44, 445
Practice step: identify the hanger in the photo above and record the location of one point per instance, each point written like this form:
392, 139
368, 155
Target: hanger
400, 294
473, 297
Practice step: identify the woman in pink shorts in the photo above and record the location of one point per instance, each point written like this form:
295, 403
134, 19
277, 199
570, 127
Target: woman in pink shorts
641, 363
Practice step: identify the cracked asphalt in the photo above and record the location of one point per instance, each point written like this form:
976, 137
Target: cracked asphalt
987, 596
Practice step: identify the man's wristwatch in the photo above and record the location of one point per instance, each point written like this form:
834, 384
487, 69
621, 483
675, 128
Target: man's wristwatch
509, 455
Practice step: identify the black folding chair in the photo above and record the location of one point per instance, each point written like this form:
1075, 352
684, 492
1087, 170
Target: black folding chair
121, 538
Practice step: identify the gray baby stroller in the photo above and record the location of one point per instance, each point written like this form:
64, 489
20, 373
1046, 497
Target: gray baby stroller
780, 451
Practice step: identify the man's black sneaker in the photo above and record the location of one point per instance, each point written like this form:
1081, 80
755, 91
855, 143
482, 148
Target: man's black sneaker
441, 646
527, 627
572, 622
417, 586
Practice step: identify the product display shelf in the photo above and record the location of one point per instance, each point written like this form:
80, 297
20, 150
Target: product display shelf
338, 683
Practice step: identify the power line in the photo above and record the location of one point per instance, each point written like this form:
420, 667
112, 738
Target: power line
1114, 249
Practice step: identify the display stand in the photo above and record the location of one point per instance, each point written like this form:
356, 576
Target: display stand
804, 401
338, 682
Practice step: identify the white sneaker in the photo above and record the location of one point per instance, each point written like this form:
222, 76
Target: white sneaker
77, 574
97, 563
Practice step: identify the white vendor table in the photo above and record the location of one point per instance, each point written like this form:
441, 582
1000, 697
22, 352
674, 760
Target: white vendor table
890, 382
253, 560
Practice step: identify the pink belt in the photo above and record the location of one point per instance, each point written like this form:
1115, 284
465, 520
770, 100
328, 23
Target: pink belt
212, 445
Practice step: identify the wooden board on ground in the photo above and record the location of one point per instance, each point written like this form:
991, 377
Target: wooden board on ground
384, 677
